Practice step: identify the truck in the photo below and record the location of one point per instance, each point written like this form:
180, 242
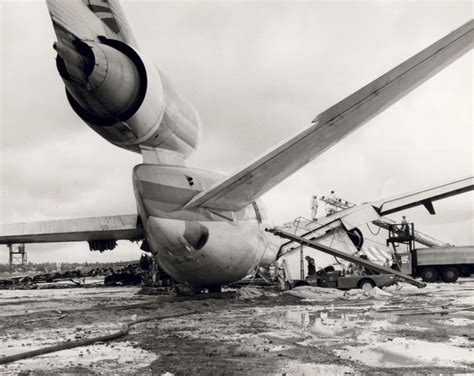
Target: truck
438, 263
431, 264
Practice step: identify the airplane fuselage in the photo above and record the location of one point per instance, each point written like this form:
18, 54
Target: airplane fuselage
201, 247
122, 96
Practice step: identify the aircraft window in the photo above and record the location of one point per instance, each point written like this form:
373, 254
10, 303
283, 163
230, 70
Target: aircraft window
257, 212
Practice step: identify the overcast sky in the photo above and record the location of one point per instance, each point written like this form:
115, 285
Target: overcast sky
257, 73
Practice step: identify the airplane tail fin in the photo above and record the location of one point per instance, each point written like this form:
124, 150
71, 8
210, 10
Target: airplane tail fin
87, 19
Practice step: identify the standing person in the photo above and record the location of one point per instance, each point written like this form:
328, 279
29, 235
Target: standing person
281, 274
311, 266
314, 207
404, 226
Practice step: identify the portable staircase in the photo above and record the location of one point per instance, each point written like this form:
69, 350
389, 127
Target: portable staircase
345, 256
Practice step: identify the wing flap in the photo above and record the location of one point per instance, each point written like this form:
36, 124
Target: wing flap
119, 227
238, 190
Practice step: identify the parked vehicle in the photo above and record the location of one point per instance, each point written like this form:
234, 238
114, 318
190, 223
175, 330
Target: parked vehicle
339, 280
431, 264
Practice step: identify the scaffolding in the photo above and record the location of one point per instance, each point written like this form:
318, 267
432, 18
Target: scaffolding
17, 257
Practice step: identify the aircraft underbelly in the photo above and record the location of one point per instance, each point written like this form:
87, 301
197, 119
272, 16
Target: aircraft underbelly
230, 253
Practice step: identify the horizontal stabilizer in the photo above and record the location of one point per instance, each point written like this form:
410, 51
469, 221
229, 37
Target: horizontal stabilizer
240, 189
117, 227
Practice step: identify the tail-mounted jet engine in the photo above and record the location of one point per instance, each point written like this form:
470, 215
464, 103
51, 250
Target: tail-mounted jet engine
124, 98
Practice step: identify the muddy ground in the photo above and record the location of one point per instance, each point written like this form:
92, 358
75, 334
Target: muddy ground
400, 330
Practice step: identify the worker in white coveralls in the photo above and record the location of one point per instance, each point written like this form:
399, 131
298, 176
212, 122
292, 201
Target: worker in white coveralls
314, 207
281, 274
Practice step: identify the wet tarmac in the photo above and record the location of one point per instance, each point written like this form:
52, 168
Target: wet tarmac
308, 331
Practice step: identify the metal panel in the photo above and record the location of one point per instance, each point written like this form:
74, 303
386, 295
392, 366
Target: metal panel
445, 256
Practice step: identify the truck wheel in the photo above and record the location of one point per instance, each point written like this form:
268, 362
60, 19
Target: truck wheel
429, 274
450, 274
366, 284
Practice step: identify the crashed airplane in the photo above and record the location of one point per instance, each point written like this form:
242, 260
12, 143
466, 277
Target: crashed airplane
203, 229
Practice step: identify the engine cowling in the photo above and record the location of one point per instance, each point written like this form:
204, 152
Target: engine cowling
124, 98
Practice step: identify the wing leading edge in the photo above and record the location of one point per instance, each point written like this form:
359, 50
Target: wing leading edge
240, 189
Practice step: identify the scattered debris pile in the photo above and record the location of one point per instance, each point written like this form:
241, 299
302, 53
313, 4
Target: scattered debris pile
130, 274
141, 272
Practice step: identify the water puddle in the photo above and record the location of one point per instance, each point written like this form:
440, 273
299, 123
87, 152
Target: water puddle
322, 322
313, 325
402, 352
294, 368
119, 357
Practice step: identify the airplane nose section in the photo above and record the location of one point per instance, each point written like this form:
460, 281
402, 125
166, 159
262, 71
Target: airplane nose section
175, 234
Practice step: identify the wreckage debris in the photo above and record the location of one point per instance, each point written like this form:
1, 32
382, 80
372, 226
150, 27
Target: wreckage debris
128, 275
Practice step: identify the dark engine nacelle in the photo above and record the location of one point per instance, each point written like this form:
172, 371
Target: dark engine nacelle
124, 98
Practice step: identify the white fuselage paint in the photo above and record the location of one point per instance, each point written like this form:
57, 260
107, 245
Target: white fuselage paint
232, 251
236, 243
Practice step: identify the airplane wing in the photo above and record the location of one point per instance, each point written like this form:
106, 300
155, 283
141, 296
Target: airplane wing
424, 197
118, 227
374, 210
89, 19
359, 215
238, 190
